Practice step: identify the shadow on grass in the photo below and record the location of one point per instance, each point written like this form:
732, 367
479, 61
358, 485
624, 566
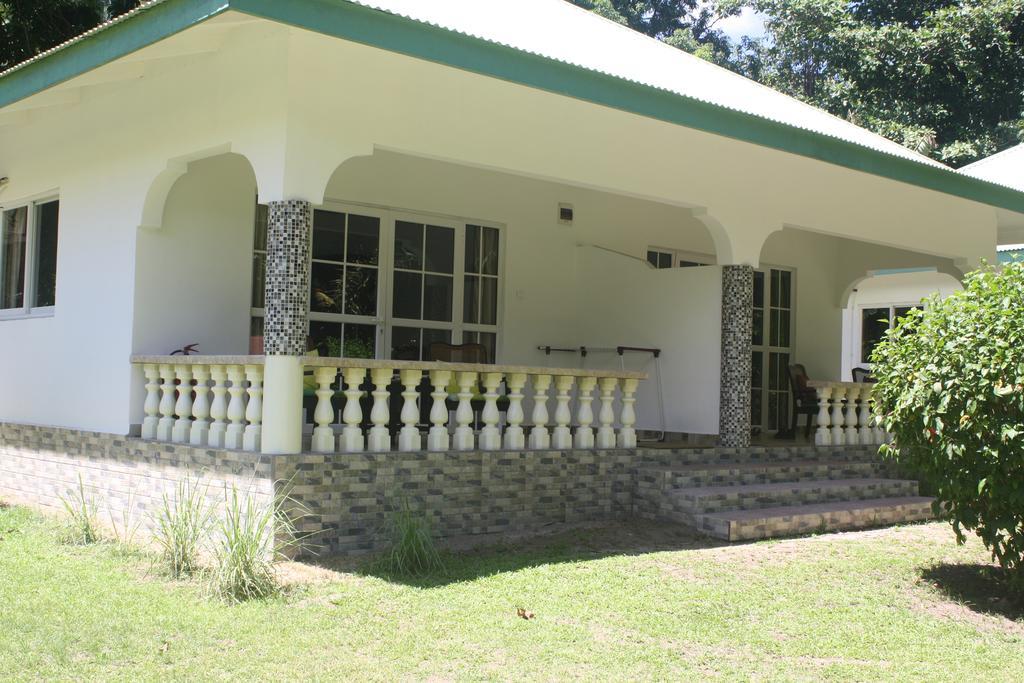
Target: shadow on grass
982, 588
581, 544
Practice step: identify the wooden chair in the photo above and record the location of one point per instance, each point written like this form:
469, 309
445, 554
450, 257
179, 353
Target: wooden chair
805, 399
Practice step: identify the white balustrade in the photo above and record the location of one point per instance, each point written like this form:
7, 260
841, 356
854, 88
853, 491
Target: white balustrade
838, 419
217, 401
851, 434
845, 424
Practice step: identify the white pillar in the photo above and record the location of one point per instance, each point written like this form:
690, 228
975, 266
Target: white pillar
627, 434
606, 415
218, 408
562, 436
438, 439
323, 415
585, 413
515, 439
152, 405
183, 407
463, 440
540, 439
234, 436
409, 437
380, 439
165, 425
822, 435
490, 435
253, 408
199, 434
351, 439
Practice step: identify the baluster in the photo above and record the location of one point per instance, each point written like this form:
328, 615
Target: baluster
562, 437
234, 436
490, 435
606, 416
540, 439
380, 439
219, 407
838, 420
823, 436
152, 405
323, 414
409, 437
183, 407
865, 435
165, 425
851, 433
253, 408
515, 439
438, 439
199, 433
463, 440
351, 439
878, 428
627, 434
585, 413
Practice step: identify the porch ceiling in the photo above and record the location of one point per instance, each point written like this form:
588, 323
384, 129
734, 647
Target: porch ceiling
799, 131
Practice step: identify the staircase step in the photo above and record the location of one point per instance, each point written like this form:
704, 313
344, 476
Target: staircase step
709, 499
791, 520
756, 454
669, 477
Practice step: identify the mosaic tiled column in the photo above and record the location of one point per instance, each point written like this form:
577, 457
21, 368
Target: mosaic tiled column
289, 227
737, 322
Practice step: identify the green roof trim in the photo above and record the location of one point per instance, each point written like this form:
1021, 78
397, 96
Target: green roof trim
398, 34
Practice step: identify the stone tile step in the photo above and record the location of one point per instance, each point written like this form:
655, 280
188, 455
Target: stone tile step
748, 525
706, 499
666, 478
690, 456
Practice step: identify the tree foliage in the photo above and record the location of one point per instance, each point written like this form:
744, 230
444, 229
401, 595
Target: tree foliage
951, 390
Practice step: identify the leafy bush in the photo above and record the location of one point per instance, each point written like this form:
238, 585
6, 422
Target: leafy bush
951, 391
412, 551
250, 537
81, 511
180, 526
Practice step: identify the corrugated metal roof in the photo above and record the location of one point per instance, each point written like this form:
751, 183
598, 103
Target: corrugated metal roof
1005, 168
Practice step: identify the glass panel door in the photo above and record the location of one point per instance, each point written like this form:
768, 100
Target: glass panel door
771, 339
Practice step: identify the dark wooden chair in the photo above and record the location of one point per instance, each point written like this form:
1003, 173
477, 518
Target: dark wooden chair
862, 375
805, 399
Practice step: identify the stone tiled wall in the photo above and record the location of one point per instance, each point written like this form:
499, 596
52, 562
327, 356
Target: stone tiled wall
737, 322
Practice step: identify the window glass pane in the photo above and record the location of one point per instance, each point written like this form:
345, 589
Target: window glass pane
471, 299
46, 254
432, 336
757, 369
12, 258
774, 293
324, 338
472, 248
773, 410
874, 323
758, 289
784, 324
785, 288
899, 312
664, 260
440, 249
489, 340
407, 295
652, 258
259, 241
408, 245
438, 291
489, 252
363, 239
360, 290
689, 264
774, 336
757, 338
327, 288
328, 235
489, 301
756, 397
360, 341
405, 343
259, 275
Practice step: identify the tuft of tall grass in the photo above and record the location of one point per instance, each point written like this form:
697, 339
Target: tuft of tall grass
126, 528
412, 551
250, 537
81, 509
180, 526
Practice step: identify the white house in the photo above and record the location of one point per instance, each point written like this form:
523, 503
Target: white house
369, 177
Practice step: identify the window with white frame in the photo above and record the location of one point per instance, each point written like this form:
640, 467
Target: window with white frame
875, 321
673, 258
28, 257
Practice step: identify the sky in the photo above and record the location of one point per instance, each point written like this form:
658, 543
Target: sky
747, 23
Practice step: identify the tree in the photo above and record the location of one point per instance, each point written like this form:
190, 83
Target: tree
944, 77
28, 27
951, 390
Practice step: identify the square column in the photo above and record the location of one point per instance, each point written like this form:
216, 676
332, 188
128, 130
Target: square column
289, 231
737, 326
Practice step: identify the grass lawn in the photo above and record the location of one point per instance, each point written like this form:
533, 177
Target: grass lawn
625, 601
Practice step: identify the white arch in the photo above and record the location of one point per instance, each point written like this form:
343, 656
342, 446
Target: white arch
152, 217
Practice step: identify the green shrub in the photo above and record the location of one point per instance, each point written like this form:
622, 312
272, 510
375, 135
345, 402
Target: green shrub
81, 509
951, 391
412, 551
249, 538
180, 527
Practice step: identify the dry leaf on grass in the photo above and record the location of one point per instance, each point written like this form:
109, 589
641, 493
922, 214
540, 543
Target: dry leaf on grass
523, 614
